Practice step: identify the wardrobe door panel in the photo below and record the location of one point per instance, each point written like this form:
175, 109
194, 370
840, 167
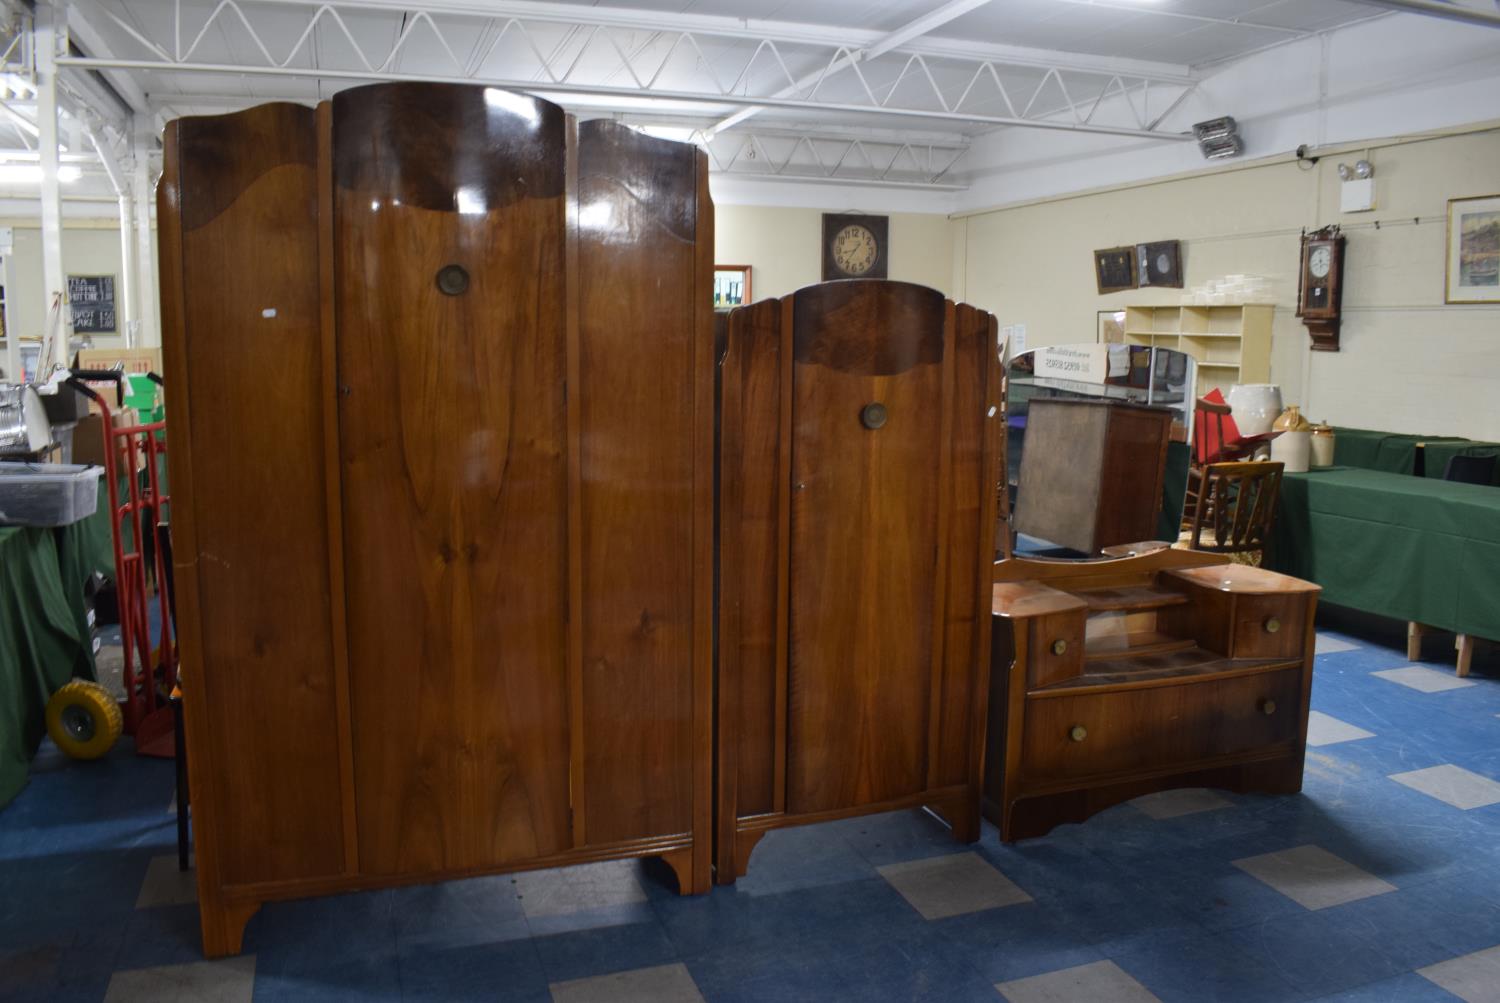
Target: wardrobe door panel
450, 248
249, 469
640, 351
862, 615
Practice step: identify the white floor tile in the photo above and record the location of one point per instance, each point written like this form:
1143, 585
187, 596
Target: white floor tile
1473, 977
231, 980
1102, 980
1314, 878
1327, 644
1325, 730
951, 885
1171, 804
570, 890
1453, 785
166, 885
663, 984
1424, 680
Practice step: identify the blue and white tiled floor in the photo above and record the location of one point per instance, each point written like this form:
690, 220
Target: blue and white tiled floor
1380, 882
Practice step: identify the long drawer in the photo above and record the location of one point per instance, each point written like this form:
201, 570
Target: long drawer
1088, 735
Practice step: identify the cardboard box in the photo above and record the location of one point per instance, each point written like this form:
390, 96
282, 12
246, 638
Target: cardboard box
134, 360
88, 437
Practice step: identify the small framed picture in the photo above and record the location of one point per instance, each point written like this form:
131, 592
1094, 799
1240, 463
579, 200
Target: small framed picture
731, 286
1114, 269
1473, 272
1159, 264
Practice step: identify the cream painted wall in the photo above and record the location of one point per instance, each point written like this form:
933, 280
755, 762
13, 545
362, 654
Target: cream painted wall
782, 247
88, 248
1409, 363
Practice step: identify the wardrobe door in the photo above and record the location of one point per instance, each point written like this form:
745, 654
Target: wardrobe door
449, 235
238, 216
645, 386
868, 458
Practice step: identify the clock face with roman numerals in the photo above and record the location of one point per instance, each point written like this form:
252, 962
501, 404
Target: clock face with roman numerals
855, 250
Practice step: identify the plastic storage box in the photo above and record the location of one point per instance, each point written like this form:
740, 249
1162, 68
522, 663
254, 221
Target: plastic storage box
47, 494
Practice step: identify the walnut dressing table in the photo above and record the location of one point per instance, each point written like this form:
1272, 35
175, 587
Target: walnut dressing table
1116, 678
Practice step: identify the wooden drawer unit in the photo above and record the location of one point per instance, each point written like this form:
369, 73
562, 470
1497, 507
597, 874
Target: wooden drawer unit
1116, 678
1056, 647
1149, 728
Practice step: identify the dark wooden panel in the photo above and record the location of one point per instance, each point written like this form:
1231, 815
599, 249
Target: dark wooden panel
1161, 726
454, 460
964, 609
862, 616
750, 550
249, 476
639, 352
1135, 464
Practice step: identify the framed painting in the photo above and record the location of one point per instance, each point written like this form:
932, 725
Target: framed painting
1114, 269
1473, 267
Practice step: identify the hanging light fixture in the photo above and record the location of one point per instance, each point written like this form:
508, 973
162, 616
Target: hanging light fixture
1219, 138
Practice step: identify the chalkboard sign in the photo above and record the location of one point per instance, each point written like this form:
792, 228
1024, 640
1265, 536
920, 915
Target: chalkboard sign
92, 298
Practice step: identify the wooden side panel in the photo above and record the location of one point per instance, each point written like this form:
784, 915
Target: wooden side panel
964, 609
241, 297
1135, 463
862, 616
452, 438
639, 352
750, 550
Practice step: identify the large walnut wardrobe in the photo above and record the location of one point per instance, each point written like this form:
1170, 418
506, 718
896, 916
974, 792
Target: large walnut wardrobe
440, 369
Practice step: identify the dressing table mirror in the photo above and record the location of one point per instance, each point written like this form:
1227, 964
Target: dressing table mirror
1097, 440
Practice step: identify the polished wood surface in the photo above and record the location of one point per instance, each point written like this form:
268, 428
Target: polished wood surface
453, 447
1115, 678
249, 474
836, 700
489, 476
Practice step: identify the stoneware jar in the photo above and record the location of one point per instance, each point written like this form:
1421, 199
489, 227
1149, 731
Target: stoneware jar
1254, 406
1322, 445
1293, 445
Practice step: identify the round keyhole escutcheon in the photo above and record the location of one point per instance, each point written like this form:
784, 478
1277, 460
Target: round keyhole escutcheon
873, 415
452, 280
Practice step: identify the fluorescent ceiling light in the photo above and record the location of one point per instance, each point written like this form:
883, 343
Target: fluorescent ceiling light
31, 174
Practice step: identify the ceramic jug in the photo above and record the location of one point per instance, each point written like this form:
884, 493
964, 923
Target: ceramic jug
1293, 446
1254, 406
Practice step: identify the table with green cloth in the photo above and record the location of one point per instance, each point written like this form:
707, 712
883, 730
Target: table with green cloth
1393, 452
1410, 548
1440, 452
45, 639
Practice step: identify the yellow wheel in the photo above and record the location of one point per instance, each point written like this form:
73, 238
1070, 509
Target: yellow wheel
84, 720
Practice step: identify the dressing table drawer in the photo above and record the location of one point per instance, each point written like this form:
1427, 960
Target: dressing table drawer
1268, 626
1151, 727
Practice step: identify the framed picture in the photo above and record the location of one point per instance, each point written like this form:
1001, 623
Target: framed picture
1159, 264
1114, 269
1112, 327
731, 286
1473, 272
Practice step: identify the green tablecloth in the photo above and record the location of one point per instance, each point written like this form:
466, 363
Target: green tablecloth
1439, 453
44, 633
1410, 548
1393, 452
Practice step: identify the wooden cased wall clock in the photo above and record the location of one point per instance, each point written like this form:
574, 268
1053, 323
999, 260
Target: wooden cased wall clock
855, 246
1320, 286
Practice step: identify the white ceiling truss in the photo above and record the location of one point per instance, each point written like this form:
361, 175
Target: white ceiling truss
833, 159
619, 60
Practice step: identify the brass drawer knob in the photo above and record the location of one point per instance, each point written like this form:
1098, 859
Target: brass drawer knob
1272, 625
1268, 707
1059, 646
1078, 733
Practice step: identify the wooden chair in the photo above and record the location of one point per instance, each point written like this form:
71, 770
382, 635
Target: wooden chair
1208, 447
1234, 507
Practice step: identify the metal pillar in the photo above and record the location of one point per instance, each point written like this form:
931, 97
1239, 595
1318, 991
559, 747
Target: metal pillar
149, 332
53, 280
129, 324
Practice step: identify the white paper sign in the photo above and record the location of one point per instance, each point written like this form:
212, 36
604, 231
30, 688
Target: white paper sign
1085, 363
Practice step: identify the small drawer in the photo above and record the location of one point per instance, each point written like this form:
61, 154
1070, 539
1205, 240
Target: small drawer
1087, 735
1271, 626
1056, 642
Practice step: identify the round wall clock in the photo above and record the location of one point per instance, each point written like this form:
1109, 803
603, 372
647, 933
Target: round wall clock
854, 246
